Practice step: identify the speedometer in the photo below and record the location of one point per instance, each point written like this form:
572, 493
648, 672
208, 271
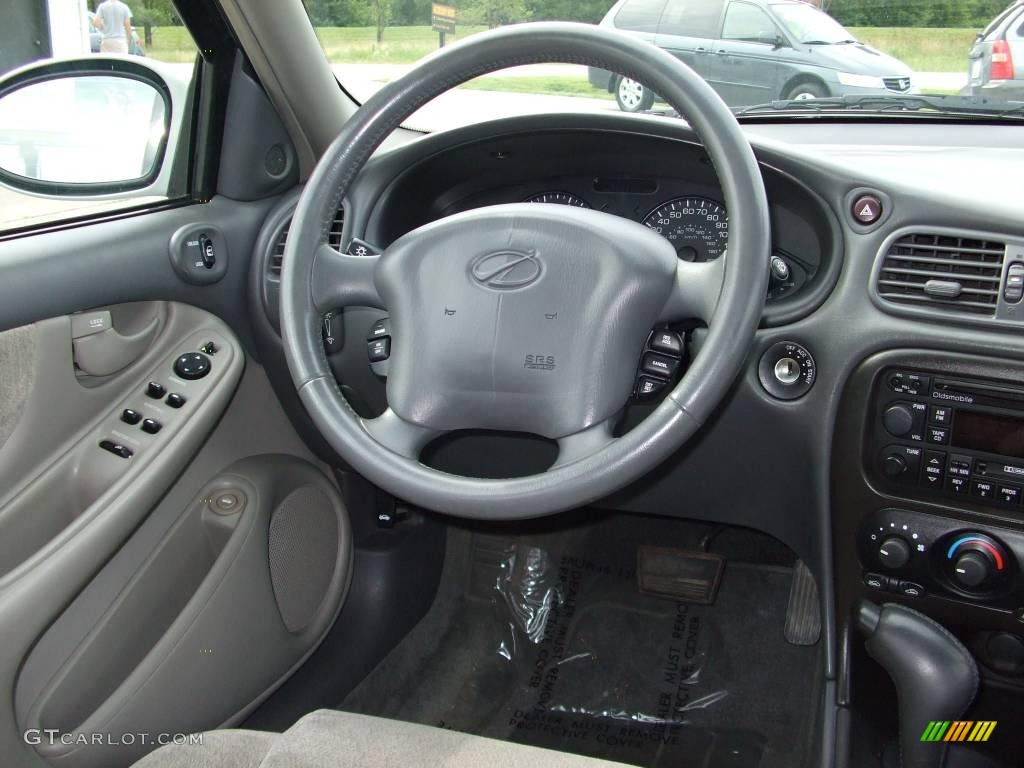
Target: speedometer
696, 226
559, 198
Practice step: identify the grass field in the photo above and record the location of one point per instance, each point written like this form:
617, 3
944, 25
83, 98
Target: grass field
924, 50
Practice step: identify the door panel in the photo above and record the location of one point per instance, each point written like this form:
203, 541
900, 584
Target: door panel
57, 473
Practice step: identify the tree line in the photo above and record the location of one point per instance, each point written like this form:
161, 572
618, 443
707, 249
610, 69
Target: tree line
492, 13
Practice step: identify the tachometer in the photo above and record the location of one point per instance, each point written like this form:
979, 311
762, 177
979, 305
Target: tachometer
559, 198
696, 226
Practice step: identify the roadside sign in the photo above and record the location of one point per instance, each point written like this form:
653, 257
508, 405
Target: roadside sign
442, 18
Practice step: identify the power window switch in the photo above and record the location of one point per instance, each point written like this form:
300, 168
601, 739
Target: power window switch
152, 426
155, 390
175, 400
128, 416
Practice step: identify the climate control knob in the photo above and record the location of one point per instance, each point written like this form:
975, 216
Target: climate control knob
894, 552
898, 420
972, 569
975, 561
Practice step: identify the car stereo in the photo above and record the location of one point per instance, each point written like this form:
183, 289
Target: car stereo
948, 436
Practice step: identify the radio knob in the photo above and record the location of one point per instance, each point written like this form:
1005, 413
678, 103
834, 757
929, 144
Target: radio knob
972, 569
894, 552
894, 465
898, 420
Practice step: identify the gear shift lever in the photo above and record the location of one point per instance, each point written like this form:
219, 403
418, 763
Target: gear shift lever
935, 676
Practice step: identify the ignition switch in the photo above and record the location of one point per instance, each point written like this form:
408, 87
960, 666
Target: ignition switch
787, 370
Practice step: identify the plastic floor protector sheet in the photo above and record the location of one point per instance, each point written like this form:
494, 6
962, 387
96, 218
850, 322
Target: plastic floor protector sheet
546, 639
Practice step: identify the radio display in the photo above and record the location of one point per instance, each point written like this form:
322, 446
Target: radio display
989, 434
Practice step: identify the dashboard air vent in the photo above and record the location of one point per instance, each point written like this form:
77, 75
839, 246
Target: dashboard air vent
948, 271
334, 239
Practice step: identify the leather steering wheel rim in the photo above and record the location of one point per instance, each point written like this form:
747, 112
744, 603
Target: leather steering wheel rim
742, 275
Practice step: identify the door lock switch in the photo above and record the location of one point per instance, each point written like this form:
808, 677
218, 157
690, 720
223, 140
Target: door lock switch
117, 449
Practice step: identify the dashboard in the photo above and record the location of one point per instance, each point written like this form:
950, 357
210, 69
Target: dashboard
884, 491
667, 185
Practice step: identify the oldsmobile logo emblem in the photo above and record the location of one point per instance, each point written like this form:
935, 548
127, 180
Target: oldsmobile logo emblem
506, 270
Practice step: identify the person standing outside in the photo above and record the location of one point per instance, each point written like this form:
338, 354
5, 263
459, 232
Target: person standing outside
114, 20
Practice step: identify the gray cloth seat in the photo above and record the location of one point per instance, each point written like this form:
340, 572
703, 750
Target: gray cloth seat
330, 739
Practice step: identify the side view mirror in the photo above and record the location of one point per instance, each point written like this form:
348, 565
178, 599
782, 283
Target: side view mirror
778, 42
83, 127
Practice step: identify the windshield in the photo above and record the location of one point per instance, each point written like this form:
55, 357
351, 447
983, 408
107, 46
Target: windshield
917, 58
808, 25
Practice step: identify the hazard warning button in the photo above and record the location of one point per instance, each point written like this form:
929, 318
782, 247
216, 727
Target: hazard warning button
867, 209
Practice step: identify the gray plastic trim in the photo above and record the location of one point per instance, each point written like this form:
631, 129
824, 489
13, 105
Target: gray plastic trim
205, 668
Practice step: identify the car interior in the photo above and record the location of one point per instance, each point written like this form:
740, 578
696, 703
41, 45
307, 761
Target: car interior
363, 445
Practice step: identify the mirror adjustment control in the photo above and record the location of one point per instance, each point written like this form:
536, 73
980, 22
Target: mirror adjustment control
192, 365
151, 426
155, 390
128, 416
175, 400
117, 449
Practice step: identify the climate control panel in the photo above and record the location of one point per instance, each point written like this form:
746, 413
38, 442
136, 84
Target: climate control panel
917, 554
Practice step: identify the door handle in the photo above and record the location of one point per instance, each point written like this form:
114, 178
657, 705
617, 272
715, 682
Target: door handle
99, 350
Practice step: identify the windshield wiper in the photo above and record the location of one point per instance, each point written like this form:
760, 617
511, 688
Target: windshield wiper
962, 106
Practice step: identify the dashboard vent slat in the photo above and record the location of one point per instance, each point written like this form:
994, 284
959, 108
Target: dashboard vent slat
334, 239
949, 272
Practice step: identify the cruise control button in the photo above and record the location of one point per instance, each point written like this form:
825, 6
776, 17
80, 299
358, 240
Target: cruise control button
379, 329
128, 416
659, 365
646, 386
379, 349
667, 342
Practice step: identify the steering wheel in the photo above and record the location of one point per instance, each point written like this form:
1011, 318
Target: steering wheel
524, 317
